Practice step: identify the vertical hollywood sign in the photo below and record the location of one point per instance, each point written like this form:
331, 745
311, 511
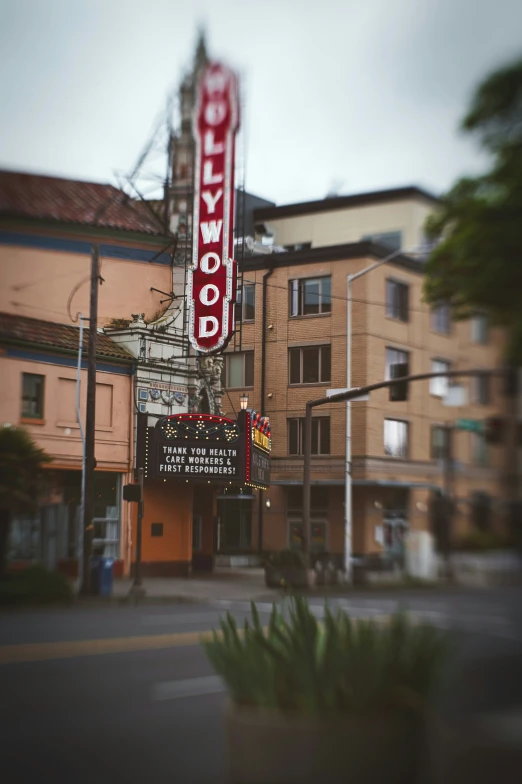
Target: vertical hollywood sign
212, 275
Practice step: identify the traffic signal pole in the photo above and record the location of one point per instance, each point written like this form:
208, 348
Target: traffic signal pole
449, 480
510, 473
349, 395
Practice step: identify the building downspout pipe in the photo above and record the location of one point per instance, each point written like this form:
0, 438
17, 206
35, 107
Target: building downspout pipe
260, 508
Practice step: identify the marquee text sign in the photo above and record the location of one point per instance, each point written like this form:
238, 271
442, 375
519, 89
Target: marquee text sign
198, 447
212, 274
206, 448
257, 450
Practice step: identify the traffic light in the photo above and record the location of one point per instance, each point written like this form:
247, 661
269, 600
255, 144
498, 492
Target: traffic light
399, 392
132, 493
494, 430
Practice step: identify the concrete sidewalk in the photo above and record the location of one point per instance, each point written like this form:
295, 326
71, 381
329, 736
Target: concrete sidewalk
221, 584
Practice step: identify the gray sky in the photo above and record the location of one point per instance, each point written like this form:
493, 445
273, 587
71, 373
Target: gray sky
366, 94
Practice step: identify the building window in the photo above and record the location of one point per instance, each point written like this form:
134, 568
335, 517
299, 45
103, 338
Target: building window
32, 396
439, 442
310, 297
394, 356
319, 497
392, 240
395, 438
320, 436
480, 389
298, 246
441, 319
310, 365
246, 303
439, 386
239, 370
479, 449
397, 296
156, 529
479, 329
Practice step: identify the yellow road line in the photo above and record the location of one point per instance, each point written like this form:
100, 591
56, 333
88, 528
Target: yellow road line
42, 651
46, 651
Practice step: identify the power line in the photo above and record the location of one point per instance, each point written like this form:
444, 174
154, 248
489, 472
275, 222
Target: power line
339, 297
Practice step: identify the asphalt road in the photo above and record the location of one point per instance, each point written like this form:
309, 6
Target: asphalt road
125, 694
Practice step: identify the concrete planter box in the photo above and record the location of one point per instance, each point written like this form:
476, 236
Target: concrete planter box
486, 569
238, 561
290, 576
269, 747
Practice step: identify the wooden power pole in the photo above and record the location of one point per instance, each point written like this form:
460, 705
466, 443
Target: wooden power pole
90, 463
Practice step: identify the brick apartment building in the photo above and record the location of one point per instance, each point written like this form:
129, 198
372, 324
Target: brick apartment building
294, 316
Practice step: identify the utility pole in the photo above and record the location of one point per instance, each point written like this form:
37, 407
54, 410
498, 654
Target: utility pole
447, 508
88, 509
511, 451
137, 571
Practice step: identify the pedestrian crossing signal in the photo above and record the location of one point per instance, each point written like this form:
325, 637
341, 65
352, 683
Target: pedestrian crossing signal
132, 493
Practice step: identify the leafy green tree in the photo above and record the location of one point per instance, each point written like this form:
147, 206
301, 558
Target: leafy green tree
477, 264
22, 479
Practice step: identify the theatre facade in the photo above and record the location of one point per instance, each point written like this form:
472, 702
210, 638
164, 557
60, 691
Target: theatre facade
199, 472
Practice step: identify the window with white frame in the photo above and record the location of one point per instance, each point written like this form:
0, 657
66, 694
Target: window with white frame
397, 299
395, 356
388, 239
320, 436
310, 297
309, 365
246, 303
479, 328
238, 370
441, 318
439, 386
395, 438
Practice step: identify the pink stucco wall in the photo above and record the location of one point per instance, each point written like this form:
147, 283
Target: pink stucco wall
58, 432
37, 283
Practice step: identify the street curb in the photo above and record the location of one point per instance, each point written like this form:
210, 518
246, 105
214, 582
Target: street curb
131, 601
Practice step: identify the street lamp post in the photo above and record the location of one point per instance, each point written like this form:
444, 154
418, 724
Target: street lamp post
348, 455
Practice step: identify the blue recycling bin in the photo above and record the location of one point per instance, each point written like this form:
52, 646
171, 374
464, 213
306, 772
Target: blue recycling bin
102, 575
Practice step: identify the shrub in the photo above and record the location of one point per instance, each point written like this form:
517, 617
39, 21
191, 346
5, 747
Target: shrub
339, 666
35, 585
287, 559
480, 541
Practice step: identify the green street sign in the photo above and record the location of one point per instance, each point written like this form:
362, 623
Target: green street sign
471, 425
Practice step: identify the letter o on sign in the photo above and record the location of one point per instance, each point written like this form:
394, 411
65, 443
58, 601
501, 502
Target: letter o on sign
209, 294
210, 259
215, 112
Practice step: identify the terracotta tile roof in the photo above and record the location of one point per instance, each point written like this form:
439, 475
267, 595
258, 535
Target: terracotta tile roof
47, 334
36, 197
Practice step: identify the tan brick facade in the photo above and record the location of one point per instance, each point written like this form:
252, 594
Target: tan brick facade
381, 484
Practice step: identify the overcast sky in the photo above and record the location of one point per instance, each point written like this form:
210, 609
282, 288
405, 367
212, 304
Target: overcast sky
351, 94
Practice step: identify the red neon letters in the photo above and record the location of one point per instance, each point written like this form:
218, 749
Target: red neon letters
212, 275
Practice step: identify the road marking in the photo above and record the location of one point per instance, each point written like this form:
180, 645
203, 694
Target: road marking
188, 687
32, 652
168, 620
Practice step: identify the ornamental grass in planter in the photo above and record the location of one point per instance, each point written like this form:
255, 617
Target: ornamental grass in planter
332, 701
